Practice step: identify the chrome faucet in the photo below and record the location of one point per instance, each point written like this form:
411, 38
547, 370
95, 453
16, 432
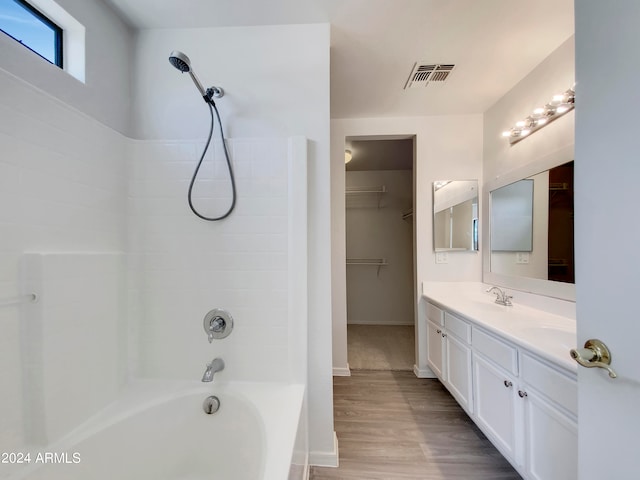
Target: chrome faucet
501, 296
216, 365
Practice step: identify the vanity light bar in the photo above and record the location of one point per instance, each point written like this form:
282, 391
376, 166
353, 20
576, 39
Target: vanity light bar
558, 106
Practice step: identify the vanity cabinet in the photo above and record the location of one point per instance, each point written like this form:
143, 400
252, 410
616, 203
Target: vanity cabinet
496, 402
449, 353
457, 364
526, 406
435, 353
550, 421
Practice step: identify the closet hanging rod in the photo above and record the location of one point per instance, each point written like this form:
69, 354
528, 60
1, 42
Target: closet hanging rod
367, 261
376, 262
364, 190
29, 298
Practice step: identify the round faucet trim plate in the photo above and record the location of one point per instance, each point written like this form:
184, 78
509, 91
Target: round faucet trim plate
217, 324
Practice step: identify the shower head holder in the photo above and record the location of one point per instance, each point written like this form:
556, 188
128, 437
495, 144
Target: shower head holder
216, 92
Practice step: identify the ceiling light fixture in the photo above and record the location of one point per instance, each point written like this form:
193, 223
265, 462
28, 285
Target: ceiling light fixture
541, 116
347, 156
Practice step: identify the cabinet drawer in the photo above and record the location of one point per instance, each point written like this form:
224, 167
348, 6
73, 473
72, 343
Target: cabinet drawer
496, 350
434, 314
559, 387
457, 327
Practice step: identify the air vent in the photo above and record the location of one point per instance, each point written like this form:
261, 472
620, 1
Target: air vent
423, 75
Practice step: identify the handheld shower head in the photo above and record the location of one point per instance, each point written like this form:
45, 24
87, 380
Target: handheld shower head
182, 63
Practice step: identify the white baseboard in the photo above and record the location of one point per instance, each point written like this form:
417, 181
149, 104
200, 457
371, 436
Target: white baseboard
342, 371
325, 459
423, 372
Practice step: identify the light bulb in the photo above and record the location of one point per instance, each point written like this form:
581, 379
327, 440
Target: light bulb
506, 133
347, 156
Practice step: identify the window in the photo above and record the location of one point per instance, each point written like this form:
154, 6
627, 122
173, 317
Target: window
32, 29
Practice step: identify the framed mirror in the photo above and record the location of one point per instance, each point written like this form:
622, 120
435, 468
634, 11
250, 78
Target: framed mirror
455, 215
530, 235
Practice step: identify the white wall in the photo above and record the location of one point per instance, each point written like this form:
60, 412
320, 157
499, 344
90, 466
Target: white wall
276, 80
105, 95
62, 189
554, 75
447, 148
270, 75
375, 229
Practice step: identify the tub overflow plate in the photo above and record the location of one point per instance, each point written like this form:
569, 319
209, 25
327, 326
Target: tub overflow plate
211, 405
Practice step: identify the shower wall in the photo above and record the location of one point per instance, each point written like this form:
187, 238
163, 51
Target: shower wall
183, 266
62, 189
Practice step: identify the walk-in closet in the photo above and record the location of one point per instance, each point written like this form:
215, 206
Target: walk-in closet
380, 253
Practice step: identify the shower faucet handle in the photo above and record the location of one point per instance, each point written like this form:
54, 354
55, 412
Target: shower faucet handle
217, 324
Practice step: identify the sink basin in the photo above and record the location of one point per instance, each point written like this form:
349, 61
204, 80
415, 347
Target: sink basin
546, 333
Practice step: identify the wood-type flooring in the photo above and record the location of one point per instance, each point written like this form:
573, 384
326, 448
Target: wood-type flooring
394, 426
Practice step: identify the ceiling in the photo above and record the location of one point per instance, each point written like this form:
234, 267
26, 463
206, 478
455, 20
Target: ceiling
375, 43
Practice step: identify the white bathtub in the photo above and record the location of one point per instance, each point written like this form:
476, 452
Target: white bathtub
158, 430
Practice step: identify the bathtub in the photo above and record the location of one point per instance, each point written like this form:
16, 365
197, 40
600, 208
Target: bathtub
158, 430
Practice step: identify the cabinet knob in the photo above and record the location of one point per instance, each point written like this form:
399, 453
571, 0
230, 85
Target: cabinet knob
439, 331
594, 354
522, 394
507, 383
444, 335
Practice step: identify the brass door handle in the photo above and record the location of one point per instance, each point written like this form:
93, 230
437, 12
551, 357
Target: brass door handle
594, 354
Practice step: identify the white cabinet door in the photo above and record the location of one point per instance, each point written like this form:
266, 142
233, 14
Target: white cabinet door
435, 342
551, 441
496, 410
458, 371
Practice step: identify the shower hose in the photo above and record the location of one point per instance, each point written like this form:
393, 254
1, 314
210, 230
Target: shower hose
212, 108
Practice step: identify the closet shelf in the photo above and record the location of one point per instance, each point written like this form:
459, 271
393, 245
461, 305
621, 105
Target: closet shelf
355, 192
375, 262
365, 190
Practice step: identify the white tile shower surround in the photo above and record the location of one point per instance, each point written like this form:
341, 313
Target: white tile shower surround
70, 184
75, 334
62, 188
186, 266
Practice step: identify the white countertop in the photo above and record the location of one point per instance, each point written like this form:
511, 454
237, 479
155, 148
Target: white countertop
547, 335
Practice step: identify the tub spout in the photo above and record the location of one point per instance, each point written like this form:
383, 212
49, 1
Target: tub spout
216, 365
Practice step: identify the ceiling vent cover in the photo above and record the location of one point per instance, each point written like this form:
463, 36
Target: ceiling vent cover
423, 75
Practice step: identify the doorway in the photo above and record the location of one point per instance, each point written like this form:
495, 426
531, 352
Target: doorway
379, 199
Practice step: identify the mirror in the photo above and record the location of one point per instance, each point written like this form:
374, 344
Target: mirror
512, 217
455, 215
531, 232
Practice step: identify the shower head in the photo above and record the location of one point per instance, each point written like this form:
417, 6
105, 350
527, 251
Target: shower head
182, 63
